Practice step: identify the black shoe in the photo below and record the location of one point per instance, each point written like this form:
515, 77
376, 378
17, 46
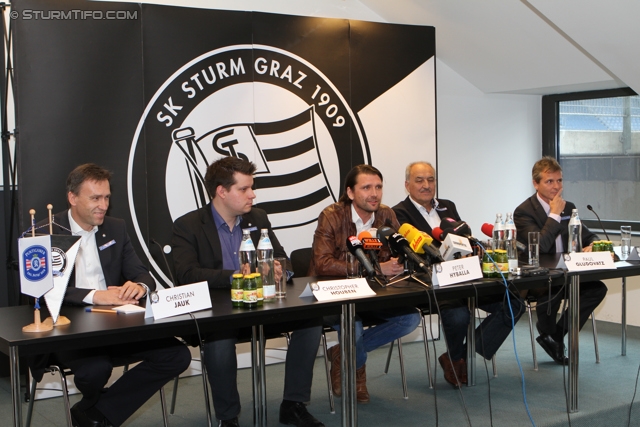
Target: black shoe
296, 413
233, 422
89, 418
553, 348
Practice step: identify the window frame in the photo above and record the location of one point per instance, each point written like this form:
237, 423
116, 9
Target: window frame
551, 137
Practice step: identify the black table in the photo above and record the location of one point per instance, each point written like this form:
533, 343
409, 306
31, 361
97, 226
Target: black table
99, 329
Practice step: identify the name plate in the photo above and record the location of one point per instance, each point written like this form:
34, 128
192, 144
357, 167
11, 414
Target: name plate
179, 300
586, 261
633, 254
456, 271
331, 290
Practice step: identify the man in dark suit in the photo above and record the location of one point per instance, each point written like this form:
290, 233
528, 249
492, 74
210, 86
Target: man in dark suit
108, 272
548, 213
422, 210
205, 247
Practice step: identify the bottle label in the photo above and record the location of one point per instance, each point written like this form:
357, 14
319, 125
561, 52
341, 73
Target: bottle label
259, 293
237, 295
250, 295
488, 268
269, 292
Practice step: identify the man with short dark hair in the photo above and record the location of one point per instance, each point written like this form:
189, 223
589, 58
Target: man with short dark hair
359, 209
108, 272
548, 213
422, 210
205, 248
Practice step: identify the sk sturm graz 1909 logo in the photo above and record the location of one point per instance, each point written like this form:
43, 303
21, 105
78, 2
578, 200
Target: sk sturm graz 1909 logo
35, 263
253, 102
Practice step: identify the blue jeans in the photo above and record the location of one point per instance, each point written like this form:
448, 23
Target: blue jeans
489, 335
396, 324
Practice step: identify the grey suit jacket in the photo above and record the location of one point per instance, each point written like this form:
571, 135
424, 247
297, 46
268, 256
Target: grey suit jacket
530, 216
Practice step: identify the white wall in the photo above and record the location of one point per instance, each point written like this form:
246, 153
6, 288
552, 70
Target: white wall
487, 145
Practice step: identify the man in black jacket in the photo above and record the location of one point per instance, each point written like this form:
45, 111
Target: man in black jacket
108, 272
205, 247
422, 210
548, 213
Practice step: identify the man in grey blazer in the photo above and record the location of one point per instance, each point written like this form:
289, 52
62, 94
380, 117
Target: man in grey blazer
205, 246
108, 272
548, 213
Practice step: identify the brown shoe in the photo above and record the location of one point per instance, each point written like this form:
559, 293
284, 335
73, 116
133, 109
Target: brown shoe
334, 357
449, 370
362, 394
461, 370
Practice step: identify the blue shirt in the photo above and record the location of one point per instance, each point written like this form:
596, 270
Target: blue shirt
229, 240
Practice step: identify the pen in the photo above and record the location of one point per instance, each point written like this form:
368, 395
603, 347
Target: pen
99, 310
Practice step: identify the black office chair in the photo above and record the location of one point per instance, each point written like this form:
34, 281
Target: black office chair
300, 260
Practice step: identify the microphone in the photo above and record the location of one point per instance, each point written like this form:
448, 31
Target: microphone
437, 233
165, 250
487, 229
355, 247
371, 245
383, 234
369, 242
400, 245
419, 241
459, 228
599, 222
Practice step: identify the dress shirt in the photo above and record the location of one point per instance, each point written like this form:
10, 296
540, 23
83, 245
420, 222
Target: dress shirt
360, 225
89, 273
432, 217
547, 209
229, 240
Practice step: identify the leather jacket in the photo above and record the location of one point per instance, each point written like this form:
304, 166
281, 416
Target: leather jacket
329, 257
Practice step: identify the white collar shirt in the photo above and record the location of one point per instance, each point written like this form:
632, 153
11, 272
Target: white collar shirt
361, 225
547, 209
89, 273
432, 217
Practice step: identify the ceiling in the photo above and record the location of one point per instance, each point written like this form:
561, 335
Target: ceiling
501, 46
530, 47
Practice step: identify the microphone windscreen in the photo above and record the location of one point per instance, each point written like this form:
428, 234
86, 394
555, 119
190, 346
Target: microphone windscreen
437, 233
405, 229
364, 235
487, 229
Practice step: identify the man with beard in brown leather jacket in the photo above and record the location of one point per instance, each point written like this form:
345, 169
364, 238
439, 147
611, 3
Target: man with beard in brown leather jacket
358, 209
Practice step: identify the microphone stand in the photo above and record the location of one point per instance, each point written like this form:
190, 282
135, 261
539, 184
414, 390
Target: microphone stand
616, 258
599, 222
166, 262
410, 273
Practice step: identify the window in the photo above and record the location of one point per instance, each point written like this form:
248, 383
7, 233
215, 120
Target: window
596, 138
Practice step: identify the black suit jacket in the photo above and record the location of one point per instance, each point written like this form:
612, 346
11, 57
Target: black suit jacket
406, 212
197, 252
119, 260
530, 216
